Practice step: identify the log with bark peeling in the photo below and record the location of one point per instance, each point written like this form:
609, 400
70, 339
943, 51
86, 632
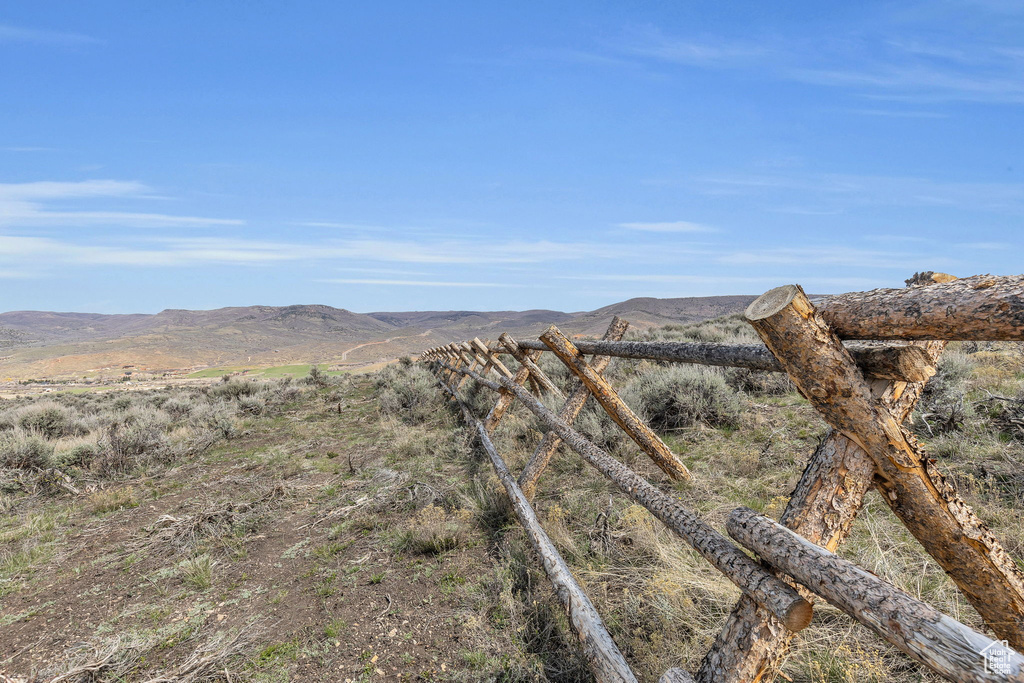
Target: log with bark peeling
517, 351
599, 649
822, 507
979, 308
939, 642
545, 450
616, 408
506, 398
773, 594
942, 522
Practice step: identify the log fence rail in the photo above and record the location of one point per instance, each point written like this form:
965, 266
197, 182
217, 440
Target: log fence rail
861, 360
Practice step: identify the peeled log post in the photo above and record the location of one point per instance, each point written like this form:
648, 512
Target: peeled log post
939, 642
918, 493
492, 358
599, 649
773, 594
505, 399
616, 408
545, 450
515, 348
822, 507
978, 308
890, 361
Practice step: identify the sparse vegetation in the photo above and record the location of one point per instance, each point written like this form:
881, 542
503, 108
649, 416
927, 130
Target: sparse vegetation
375, 536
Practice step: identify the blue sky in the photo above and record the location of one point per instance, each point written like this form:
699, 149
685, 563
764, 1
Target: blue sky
566, 155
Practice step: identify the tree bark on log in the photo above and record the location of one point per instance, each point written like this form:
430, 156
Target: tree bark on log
935, 640
919, 495
616, 408
599, 649
770, 592
978, 308
890, 361
822, 507
517, 352
548, 445
492, 358
506, 398
675, 675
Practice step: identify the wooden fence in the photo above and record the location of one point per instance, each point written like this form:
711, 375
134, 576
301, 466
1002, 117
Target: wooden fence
864, 391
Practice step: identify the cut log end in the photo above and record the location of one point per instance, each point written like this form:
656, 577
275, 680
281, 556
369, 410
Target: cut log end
799, 616
771, 302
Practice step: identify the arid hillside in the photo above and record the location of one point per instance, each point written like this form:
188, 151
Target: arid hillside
35, 344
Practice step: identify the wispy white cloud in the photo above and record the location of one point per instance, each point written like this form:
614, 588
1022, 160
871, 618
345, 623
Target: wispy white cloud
900, 113
869, 63
834, 192
849, 257
20, 34
415, 283
672, 226
710, 51
30, 205
986, 246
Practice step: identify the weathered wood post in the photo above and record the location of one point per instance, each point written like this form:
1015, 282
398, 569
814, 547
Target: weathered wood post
917, 492
513, 348
545, 450
616, 408
773, 594
602, 654
506, 398
942, 644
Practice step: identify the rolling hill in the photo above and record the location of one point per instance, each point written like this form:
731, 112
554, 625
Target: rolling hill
43, 344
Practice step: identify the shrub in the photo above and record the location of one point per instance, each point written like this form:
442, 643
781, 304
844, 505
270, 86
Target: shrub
21, 449
252, 405
683, 396
81, 455
50, 420
132, 439
758, 383
318, 378
218, 418
177, 407
409, 393
233, 389
942, 408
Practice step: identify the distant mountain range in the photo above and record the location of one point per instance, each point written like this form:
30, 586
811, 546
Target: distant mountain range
63, 345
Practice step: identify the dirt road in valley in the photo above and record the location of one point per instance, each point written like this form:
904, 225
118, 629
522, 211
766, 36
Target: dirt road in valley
344, 354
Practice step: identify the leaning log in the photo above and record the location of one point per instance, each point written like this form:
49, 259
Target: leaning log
675, 675
506, 398
616, 408
935, 640
890, 361
943, 523
492, 358
774, 595
516, 349
978, 308
753, 644
545, 450
602, 654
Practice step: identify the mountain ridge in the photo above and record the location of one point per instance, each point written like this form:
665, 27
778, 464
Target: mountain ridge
38, 344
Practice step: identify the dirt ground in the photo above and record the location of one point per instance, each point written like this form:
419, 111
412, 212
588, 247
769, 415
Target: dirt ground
282, 547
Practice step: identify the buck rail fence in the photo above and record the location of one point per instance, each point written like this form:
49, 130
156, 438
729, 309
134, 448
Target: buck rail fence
864, 389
